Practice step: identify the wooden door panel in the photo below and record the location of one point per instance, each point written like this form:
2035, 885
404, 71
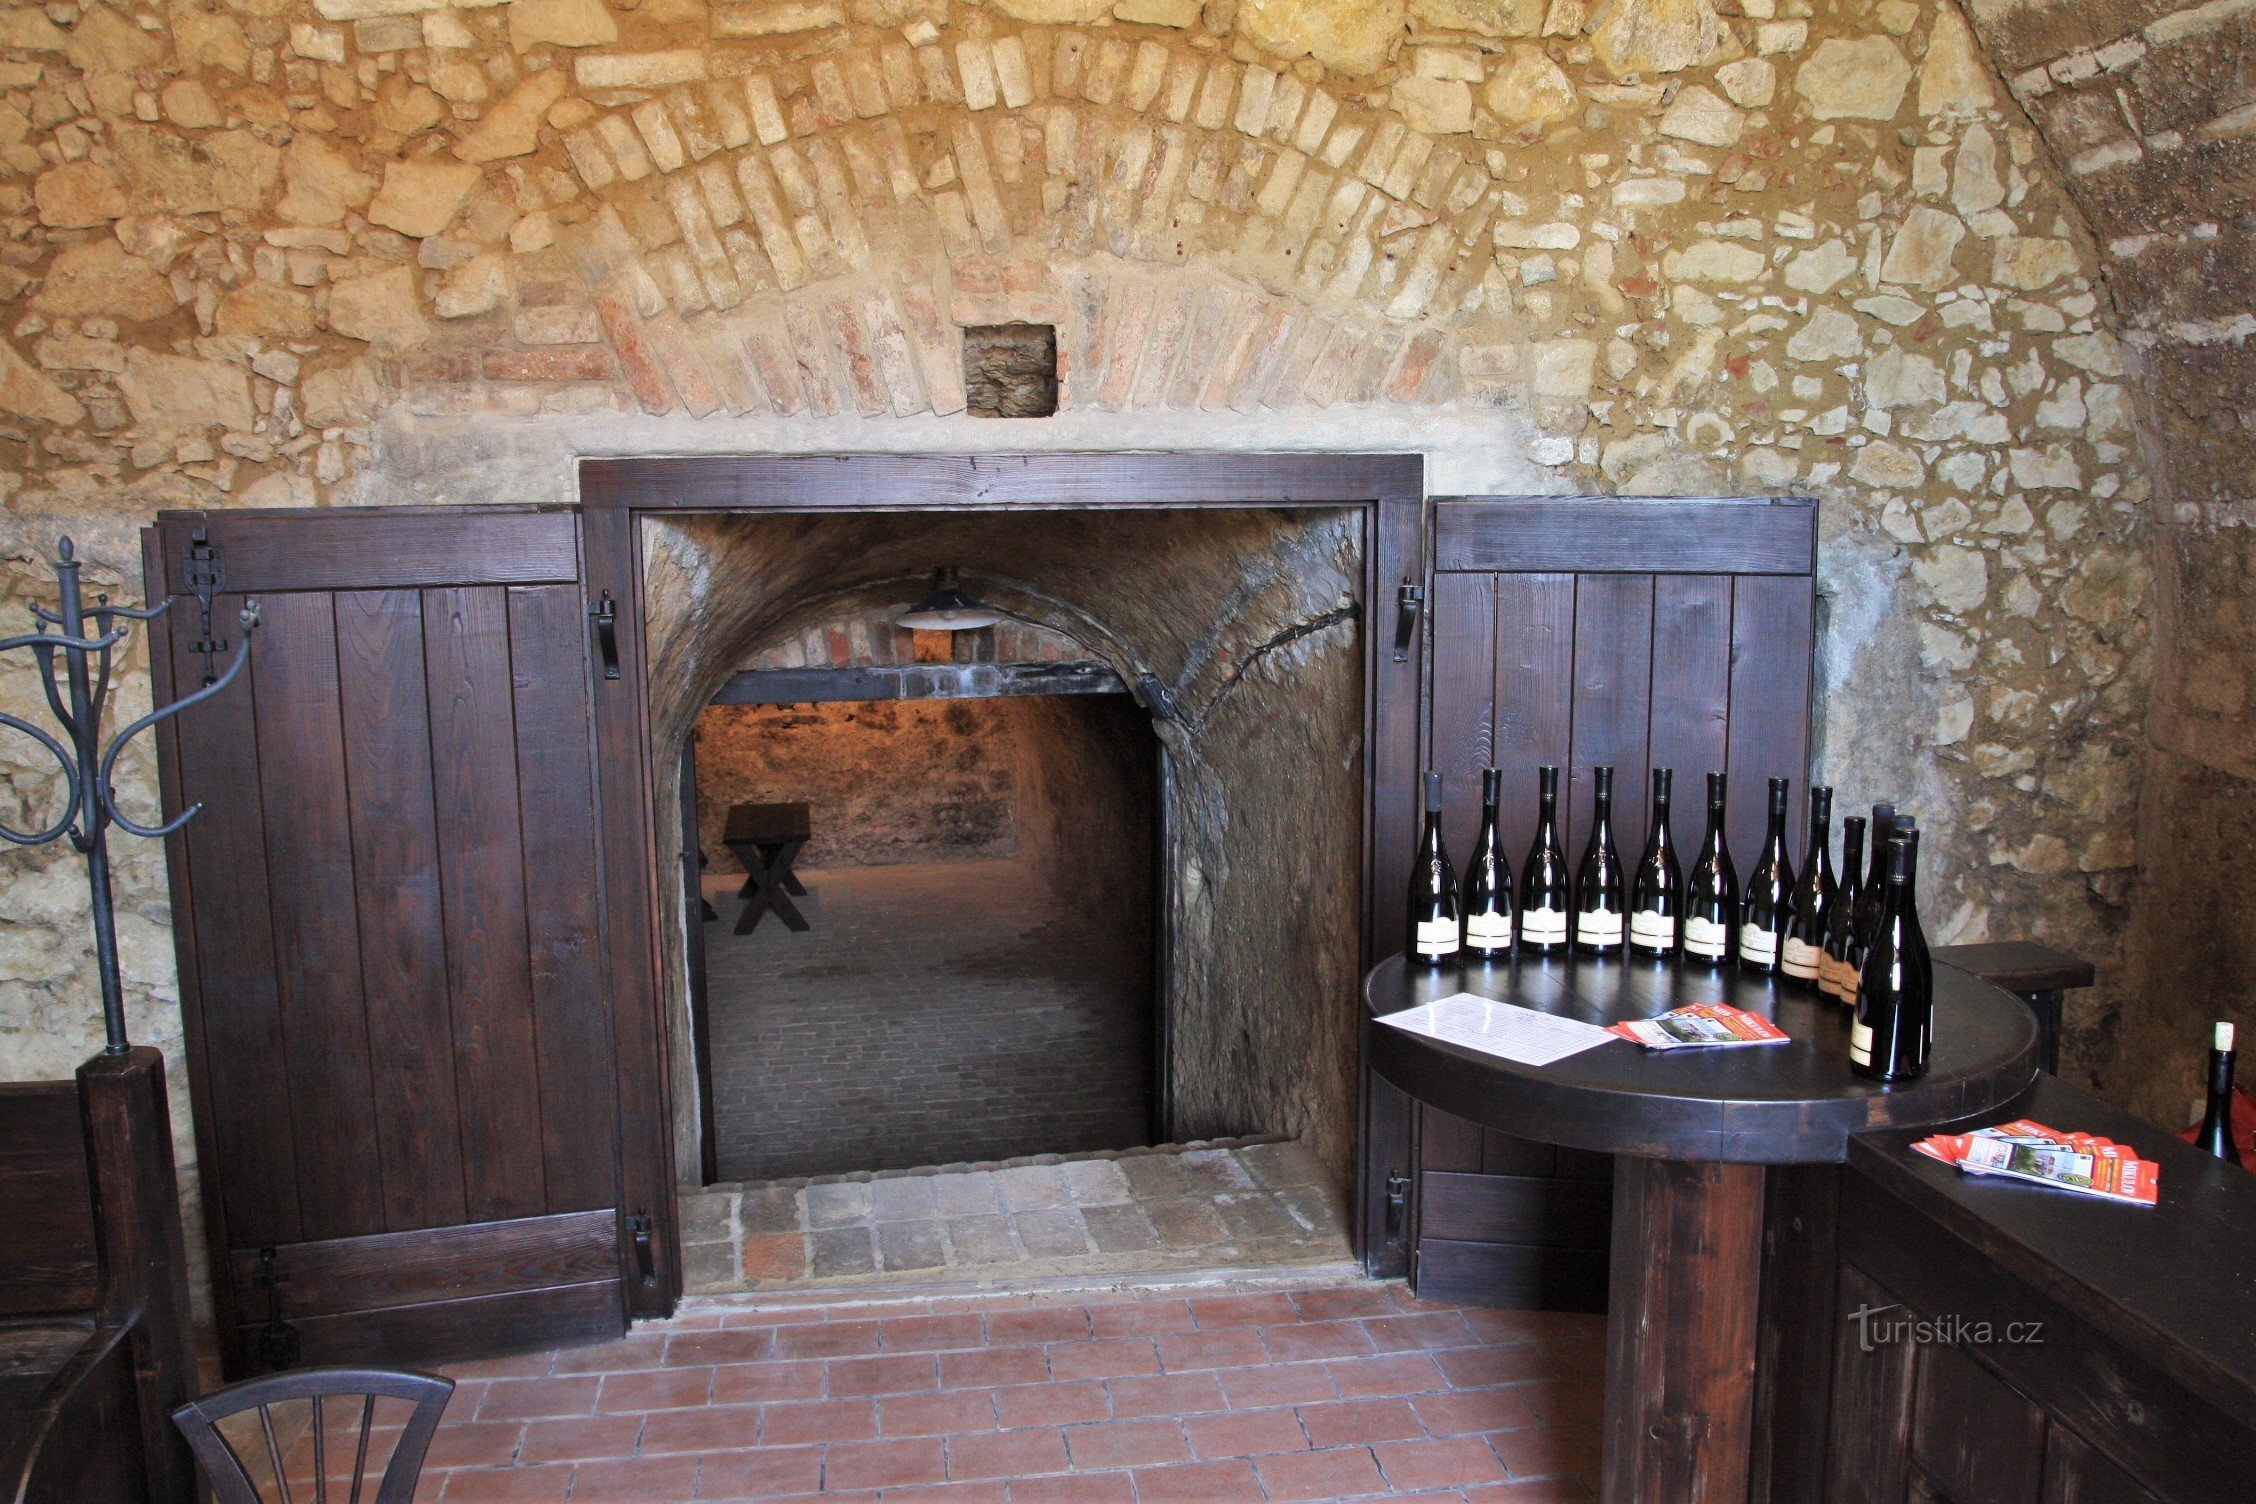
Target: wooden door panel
1691, 710
1533, 695
391, 973
1771, 640
1613, 687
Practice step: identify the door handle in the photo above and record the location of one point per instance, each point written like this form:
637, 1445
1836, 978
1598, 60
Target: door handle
605, 613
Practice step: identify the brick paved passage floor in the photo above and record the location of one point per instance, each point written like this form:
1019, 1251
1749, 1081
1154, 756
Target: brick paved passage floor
1346, 1392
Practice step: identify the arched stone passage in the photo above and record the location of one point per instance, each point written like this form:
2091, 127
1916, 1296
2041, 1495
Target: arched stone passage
1246, 619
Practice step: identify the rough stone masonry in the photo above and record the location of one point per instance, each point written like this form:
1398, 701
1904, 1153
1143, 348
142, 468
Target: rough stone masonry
262, 252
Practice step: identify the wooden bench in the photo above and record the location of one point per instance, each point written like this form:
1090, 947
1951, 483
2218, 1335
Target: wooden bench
2037, 974
95, 1347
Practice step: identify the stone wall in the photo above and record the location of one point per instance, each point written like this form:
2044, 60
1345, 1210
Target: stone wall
383, 251
2150, 105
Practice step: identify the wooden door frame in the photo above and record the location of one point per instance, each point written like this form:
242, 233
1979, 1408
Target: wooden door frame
1388, 489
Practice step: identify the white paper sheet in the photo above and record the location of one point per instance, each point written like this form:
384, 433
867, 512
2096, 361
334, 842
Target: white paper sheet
1505, 1030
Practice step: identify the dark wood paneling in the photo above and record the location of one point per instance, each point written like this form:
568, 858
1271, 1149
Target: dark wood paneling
1388, 1153
1464, 698
1534, 681
1591, 537
1691, 710
386, 721
377, 548
1800, 1324
234, 1015
482, 1326
1394, 556
46, 1204
81, 1443
1865, 1455
414, 1268
482, 880
2021, 966
1534, 1211
1971, 1436
1448, 1142
307, 815
1771, 637
1613, 683
571, 1011
2075, 1474
1511, 1277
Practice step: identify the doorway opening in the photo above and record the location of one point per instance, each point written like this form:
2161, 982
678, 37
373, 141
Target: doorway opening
967, 972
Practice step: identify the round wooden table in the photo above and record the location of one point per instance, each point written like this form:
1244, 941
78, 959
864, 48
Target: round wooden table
1693, 1131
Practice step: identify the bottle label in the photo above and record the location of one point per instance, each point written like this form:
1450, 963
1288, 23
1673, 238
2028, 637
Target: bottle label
1490, 931
1652, 929
1544, 926
1829, 970
1436, 937
1860, 1044
1598, 927
1801, 959
1705, 937
1757, 946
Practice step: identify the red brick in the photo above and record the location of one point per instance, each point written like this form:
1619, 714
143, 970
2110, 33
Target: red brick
1051, 1404
1395, 1373
995, 1368
658, 1389
775, 1255
561, 363
1232, 1347
636, 1480
762, 1474
1103, 1360
711, 1349
1547, 1451
1140, 1318
1436, 1464
1316, 1339
580, 1439
1421, 1329
817, 1420
1129, 1443
1075, 1488
476, 1444
938, 1413
1359, 1422
1168, 1394
1463, 1411
508, 1485
716, 1428
1041, 1324
1280, 1384
885, 1464
828, 1339
904, 1374
517, 1399
741, 1383
625, 332
1341, 1473
1242, 1310
925, 1334
1007, 1454
1197, 1483
1248, 1433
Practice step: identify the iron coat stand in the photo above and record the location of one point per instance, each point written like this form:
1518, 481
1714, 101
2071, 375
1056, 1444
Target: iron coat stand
84, 640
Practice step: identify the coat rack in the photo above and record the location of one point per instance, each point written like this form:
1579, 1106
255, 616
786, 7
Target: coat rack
78, 703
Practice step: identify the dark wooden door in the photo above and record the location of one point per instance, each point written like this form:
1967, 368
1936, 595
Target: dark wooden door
387, 918
1588, 633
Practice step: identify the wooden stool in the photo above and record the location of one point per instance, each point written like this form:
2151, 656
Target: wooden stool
767, 839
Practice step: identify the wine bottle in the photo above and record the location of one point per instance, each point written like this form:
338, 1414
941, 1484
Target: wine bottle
1434, 930
1488, 882
2216, 1135
1893, 1030
1875, 891
1601, 906
1769, 908
1835, 975
1711, 897
1545, 894
1656, 898
1804, 954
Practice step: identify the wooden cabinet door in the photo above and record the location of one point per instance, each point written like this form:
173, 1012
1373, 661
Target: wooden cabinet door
387, 919
1588, 633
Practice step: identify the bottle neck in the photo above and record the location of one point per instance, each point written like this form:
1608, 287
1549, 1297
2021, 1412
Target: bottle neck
1713, 841
2221, 1076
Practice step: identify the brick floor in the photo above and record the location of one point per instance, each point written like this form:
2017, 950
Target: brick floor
1129, 1397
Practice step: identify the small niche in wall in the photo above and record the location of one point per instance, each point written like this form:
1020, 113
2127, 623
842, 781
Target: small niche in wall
1010, 370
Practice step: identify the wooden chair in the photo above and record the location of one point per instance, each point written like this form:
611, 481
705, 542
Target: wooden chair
231, 1480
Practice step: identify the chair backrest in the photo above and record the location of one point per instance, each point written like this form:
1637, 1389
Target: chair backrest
232, 1481
46, 1202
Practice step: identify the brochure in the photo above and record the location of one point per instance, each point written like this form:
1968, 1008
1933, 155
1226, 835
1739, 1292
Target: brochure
1702, 1025
2024, 1150
1505, 1030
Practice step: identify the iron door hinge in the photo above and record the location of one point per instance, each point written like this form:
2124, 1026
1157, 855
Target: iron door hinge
278, 1342
1408, 604
645, 1250
1397, 1208
204, 577
605, 613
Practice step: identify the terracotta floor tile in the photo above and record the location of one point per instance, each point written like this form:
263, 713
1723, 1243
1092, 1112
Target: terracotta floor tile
806, 1422
475, 1444
1042, 1324
1315, 1339
1360, 1422
1007, 1454
1423, 1329
1215, 1311
508, 1485
636, 1480
1140, 1318
1342, 1303
902, 1374
1248, 1433
926, 1334
1389, 1373
885, 1464
1280, 1384
983, 1491
636, 1350
1231, 1347
995, 1367
1127, 1443
1110, 1359
941, 1413
583, 1438
1465, 1411
1470, 1367
729, 1345
743, 1383
1165, 1394
1341, 1473
830, 1339
1436, 1464
716, 1428
764, 1474
1547, 1451
1197, 1483
655, 1389
1074, 1488
521, 1399
1055, 1404
1548, 1491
